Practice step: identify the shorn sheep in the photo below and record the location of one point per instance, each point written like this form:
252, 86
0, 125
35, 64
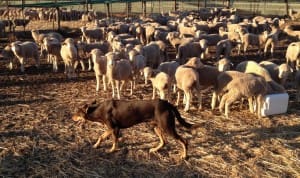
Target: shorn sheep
100, 65
68, 53
255, 68
26, 50
187, 80
279, 73
249, 87
161, 82
117, 71
293, 55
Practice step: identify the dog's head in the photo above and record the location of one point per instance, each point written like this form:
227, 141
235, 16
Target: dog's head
82, 113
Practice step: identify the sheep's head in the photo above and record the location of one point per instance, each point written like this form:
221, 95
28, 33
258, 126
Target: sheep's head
224, 64
284, 71
194, 62
15, 47
132, 53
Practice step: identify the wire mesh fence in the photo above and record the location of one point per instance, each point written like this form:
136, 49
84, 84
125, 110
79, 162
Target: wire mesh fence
253, 7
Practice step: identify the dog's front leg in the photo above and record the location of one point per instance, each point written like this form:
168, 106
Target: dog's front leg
115, 140
102, 137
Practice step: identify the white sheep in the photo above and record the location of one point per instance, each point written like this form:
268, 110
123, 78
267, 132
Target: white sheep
255, 68
100, 66
249, 87
52, 47
293, 55
26, 50
91, 34
8, 54
279, 73
253, 39
117, 71
295, 34
138, 63
223, 47
187, 80
160, 82
224, 64
175, 40
148, 72
69, 55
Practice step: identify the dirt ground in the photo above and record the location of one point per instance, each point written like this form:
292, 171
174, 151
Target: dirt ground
39, 139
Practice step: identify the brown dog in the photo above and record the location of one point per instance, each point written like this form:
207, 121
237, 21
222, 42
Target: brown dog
119, 114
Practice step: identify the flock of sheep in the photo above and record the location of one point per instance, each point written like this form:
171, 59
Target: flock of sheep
135, 49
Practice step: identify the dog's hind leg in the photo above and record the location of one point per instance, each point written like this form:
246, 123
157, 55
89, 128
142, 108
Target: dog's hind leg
161, 139
182, 142
102, 137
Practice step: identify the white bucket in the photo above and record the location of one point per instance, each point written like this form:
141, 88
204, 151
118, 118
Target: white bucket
275, 104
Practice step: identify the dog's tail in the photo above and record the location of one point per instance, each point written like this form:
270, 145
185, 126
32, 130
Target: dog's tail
179, 118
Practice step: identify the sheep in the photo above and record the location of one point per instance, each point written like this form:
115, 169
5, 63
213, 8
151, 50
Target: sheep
84, 50
152, 55
247, 86
162, 49
223, 47
89, 34
52, 47
8, 54
288, 30
100, 64
117, 71
160, 82
161, 35
187, 79
148, 72
252, 39
138, 63
26, 50
149, 33
278, 73
141, 34
183, 30
233, 36
297, 85
38, 37
212, 39
255, 68
293, 55
69, 55
188, 50
175, 40
170, 69
272, 40
224, 64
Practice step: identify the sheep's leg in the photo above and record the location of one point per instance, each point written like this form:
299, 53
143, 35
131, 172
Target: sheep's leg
97, 82
298, 95
10, 66
222, 102
188, 100
297, 64
118, 88
178, 98
153, 93
228, 102
162, 94
82, 65
272, 49
90, 64
104, 82
55, 68
214, 100
169, 92
199, 96
131, 87
259, 101
113, 88
250, 102
22, 64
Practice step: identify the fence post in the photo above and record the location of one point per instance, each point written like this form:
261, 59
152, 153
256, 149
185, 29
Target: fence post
128, 4
205, 3
144, 6
175, 5
107, 10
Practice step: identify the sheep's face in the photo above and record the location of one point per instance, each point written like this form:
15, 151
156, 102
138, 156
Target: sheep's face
194, 62
284, 71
